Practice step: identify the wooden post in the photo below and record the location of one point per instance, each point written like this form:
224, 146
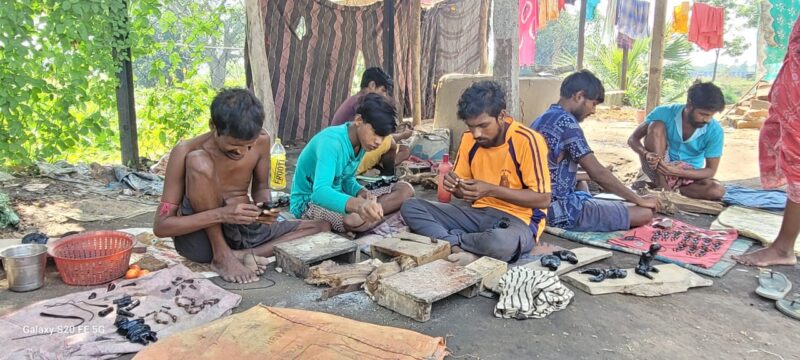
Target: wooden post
259, 67
623, 79
484, 35
582, 34
388, 37
416, 61
506, 52
656, 56
126, 109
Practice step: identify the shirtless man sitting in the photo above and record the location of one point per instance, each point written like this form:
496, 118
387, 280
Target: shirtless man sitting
206, 207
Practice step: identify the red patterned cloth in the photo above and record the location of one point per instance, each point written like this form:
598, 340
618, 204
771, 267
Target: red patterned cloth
779, 142
682, 242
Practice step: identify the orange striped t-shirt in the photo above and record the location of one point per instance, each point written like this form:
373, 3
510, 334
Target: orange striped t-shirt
519, 163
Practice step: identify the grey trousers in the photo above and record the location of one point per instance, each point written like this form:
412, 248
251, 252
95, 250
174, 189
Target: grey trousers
484, 232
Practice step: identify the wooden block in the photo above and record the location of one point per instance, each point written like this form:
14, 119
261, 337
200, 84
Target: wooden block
297, 256
334, 275
338, 290
422, 252
412, 292
763, 93
670, 279
490, 270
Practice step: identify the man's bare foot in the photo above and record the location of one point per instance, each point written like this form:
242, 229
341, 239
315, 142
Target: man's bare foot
766, 257
231, 269
461, 257
252, 262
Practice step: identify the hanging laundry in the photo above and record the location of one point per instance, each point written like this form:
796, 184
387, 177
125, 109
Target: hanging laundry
624, 41
609, 35
571, 2
528, 25
591, 8
680, 18
633, 17
548, 11
561, 6
707, 25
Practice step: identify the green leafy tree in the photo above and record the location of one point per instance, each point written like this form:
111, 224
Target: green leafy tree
559, 36
606, 62
59, 75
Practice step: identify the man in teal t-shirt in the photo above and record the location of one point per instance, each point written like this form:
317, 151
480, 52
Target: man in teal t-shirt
683, 144
325, 186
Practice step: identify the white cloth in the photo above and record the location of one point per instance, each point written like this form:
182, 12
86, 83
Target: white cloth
527, 293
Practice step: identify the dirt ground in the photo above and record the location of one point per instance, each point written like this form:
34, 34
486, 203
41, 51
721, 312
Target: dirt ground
726, 320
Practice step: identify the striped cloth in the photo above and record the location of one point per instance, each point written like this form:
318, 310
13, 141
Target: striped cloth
450, 37
527, 293
633, 17
312, 71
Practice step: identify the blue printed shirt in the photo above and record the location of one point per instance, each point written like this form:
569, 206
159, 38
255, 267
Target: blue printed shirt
705, 143
567, 145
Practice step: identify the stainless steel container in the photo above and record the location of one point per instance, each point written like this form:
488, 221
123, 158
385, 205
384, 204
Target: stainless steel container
24, 265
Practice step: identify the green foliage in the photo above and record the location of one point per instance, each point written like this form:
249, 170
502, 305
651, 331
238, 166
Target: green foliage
169, 114
55, 60
59, 74
557, 37
606, 62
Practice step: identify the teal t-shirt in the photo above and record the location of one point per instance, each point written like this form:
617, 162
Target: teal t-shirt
705, 143
326, 172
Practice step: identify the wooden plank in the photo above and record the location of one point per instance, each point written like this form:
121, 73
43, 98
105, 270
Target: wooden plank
416, 63
334, 275
412, 292
506, 53
297, 256
670, 279
421, 253
339, 290
656, 56
581, 34
259, 66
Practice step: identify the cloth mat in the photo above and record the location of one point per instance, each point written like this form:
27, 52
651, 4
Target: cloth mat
676, 243
97, 338
600, 239
759, 225
527, 293
772, 200
276, 333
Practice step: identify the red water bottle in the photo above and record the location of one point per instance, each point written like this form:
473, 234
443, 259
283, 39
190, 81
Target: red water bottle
444, 168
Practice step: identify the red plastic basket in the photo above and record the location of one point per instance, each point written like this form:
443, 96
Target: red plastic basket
93, 257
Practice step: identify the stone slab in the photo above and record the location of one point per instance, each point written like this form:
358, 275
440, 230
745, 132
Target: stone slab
670, 279
586, 255
490, 270
297, 256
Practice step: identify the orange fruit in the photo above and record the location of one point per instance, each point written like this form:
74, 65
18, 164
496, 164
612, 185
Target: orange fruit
134, 266
132, 274
144, 272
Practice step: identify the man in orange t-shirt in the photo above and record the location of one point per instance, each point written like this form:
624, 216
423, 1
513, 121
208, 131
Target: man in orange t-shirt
501, 168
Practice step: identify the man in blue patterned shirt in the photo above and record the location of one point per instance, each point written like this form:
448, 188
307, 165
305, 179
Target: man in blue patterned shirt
577, 210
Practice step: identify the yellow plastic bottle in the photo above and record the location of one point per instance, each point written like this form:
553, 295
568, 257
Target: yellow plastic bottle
277, 180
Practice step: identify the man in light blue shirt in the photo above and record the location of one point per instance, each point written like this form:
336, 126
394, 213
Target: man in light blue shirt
683, 144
